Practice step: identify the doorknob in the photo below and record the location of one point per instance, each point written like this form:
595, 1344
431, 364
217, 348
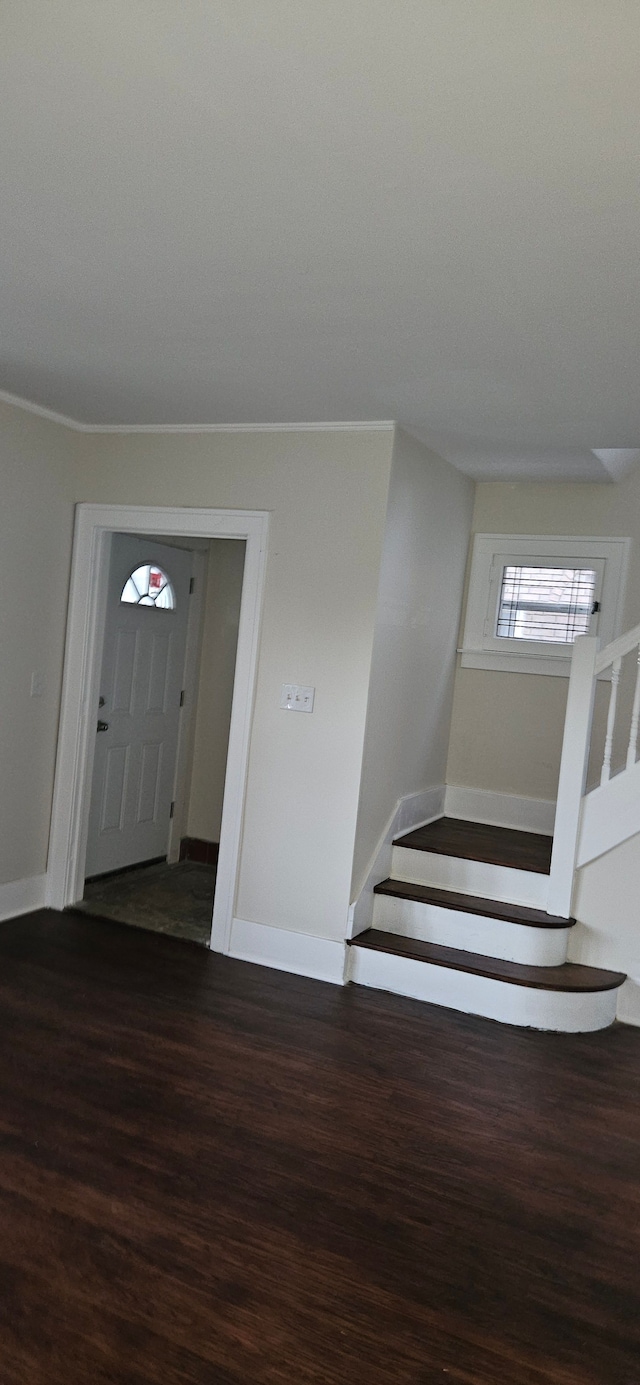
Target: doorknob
103, 726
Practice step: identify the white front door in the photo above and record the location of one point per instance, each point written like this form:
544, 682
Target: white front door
140, 693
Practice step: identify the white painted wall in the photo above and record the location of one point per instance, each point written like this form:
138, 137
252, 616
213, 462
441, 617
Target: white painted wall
421, 580
36, 517
608, 932
327, 494
215, 688
522, 715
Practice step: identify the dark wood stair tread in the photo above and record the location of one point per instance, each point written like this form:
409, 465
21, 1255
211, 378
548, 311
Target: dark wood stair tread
568, 977
479, 841
472, 904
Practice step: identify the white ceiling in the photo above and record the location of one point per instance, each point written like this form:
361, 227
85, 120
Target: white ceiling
242, 211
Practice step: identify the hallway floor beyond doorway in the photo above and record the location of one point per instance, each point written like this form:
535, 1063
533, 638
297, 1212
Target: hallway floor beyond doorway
176, 899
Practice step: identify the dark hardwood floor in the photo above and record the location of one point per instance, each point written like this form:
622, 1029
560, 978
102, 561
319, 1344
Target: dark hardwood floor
479, 841
212, 1173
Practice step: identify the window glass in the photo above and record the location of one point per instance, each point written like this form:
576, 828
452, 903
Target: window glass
149, 586
552, 604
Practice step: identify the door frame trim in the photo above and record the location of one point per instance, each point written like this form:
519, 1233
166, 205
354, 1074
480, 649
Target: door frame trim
190, 677
85, 630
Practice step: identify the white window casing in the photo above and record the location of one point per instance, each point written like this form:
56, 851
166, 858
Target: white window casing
597, 579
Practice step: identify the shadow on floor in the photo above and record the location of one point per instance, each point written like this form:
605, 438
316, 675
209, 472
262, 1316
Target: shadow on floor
176, 899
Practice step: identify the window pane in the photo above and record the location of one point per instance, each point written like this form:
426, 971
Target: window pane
552, 604
149, 586
130, 592
164, 599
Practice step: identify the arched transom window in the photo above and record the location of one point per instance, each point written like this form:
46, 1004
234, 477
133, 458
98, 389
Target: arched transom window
149, 586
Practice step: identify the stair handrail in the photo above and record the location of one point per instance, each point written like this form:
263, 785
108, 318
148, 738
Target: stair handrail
618, 648
587, 663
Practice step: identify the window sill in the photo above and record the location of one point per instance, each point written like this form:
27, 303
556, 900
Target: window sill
559, 665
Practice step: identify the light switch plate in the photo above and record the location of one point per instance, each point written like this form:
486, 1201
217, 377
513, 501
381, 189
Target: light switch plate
295, 698
305, 699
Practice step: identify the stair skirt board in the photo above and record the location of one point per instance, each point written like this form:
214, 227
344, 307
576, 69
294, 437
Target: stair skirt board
492, 937
566, 1011
470, 877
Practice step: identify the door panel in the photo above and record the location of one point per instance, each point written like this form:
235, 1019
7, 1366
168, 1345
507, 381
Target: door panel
158, 673
113, 796
149, 789
141, 681
125, 659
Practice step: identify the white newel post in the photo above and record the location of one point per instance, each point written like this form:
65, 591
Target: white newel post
573, 772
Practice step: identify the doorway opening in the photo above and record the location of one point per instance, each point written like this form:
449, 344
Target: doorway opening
157, 701
162, 731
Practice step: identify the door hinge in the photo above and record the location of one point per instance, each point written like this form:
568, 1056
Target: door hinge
182, 698
172, 808
595, 608
192, 583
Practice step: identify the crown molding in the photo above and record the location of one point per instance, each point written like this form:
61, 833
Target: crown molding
40, 411
617, 461
352, 426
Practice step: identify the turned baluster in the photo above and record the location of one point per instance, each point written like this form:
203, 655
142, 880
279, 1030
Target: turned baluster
635, 717
611, 721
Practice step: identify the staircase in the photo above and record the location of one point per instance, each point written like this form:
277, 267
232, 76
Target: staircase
462, 922
478, 918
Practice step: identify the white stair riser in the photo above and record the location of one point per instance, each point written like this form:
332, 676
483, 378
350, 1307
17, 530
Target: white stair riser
470, 877
566, 1011
491, 937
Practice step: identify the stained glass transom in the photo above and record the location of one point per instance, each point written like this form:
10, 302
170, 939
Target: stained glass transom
149, 586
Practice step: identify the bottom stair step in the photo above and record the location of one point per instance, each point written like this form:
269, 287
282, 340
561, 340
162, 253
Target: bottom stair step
569, 997
568, 977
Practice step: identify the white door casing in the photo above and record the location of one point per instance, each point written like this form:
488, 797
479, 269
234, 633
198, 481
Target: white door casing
77, 737
186, 733
140, 687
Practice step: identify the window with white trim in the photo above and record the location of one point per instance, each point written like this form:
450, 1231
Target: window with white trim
531, 596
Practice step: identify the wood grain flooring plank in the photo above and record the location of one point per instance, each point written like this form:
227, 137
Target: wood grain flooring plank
214, 1173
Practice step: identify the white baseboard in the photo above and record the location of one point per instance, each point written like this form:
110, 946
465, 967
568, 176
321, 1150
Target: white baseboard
500, 809
414, 810
284, 950
21, 896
